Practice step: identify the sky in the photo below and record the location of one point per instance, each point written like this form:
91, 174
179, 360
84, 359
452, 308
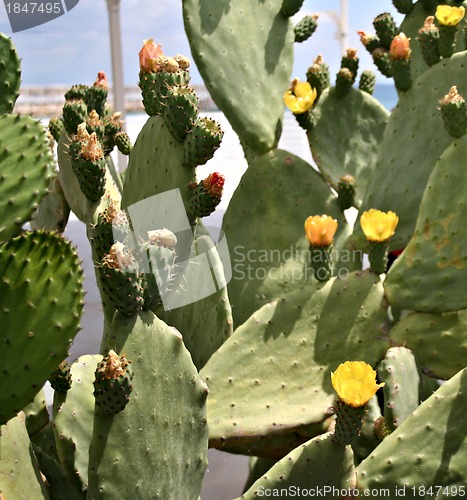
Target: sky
74, 47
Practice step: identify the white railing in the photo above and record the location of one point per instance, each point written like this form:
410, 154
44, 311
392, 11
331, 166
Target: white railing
48, 100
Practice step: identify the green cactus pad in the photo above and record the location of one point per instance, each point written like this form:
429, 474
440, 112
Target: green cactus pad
291, 7
398, 370
166, 412
26, 167
272, 376
439, 341
428, 449
58, 485
37, 416
406, 159
346, 137
19, 471
55, 127
436, 257
41, 301
156, 165
249, 90
318, 465
53, 210
206, 323
91, 177
73, 420
10, 74
255, 221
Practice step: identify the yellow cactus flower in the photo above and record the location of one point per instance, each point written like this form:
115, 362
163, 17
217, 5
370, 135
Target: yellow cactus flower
320, 230
449, 16
300, 97
355, 383
377, 225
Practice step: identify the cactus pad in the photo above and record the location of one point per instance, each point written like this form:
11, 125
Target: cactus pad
282, 358
26, 166
346, 137
40, 307
10, 74
245, 81
166, 412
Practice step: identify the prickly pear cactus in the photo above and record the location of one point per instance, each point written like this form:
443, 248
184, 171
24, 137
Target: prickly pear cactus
248, 89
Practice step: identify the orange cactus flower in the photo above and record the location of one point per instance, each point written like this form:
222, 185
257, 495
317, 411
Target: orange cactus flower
320, 230
148, 54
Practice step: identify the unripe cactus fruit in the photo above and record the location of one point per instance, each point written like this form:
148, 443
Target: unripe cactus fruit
202, 142
291, 7
318, 75
403, 6
56, 127
350, 61
61, 378
123, 142
367, 81
386, 29
344, 81
180, 110
75, 112
77, 92
399, 53
87, 160
382, 60
119, 273
112, 385
95, 124
369, 41
305, 28
207, 195
97, 94
428, 37
453, 111
346, 192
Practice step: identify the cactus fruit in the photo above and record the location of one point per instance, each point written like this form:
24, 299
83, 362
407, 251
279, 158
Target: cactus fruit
202, 142
344, 82
56, 127
207, 195
448, 18
61, 378
97, 94
87, 160
123, 142
112, 385
382, 61
75, 112
346, 192
291, 7
180, 110
399, 54
119, 273
453, 111
369, 41
350, 61
385, 28
428, 38
318, 75
77, 92
305, 28
403, 6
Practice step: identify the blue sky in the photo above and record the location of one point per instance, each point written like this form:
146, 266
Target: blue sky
74, 47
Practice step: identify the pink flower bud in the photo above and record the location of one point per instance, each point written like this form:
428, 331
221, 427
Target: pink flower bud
147, 56
400, 47
101, 81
